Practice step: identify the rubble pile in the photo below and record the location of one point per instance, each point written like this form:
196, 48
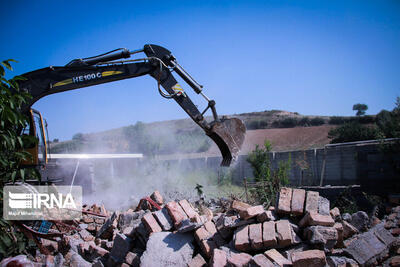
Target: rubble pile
300, 230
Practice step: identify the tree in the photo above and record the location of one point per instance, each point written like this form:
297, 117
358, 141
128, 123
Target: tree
12, 153
361, 108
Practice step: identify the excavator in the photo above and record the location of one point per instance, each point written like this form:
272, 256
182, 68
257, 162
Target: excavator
158, 62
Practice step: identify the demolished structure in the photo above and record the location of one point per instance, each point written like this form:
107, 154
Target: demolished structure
300, 230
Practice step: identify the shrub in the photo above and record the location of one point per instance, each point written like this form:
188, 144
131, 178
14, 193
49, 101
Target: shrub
305, 121
268, 180
317, 121
337, 120
353, 131
288, 123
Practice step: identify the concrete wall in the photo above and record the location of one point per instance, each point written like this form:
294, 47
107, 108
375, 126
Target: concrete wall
364, 164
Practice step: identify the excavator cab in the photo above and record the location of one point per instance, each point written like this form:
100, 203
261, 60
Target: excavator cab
38, 145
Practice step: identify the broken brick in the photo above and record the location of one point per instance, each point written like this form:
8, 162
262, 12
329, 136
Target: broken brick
197, 261
315, 258
276, 257
239, 259
157, 197
201, 234
255, 235
207, 246
251, 212
188, 209
266, 216
260, 260
239, 206
284, 201
335, 213
313, 218
298, 199
311, 201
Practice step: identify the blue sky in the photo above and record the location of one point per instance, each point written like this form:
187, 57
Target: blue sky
313, 57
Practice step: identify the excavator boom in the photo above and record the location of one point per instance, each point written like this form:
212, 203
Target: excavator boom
159, 63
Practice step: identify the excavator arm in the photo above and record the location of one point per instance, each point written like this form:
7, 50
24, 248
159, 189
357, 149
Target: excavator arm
159, 63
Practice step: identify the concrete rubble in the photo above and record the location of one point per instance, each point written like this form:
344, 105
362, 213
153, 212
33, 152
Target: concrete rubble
301, 230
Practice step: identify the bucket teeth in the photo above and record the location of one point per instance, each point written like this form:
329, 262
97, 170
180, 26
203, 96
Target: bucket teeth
229, 135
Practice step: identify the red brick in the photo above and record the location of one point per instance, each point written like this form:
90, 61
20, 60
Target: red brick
239, 206
188, 209
269, 236
313, 218
260, 260
255, 236
197, 261
339, 229
157, 197
276, 257
348, 230
207, 246
151, 224
284, 201
311, 201
266, 216
395, 261
395, 231
201, 234
132, 259
251, 212
242, 242
176, 212
298, 199
239, 259
98, 251
218, 258
284, 233
335, 213
314, 258
210, 227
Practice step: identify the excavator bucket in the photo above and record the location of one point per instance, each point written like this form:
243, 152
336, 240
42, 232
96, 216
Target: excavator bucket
228, 134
